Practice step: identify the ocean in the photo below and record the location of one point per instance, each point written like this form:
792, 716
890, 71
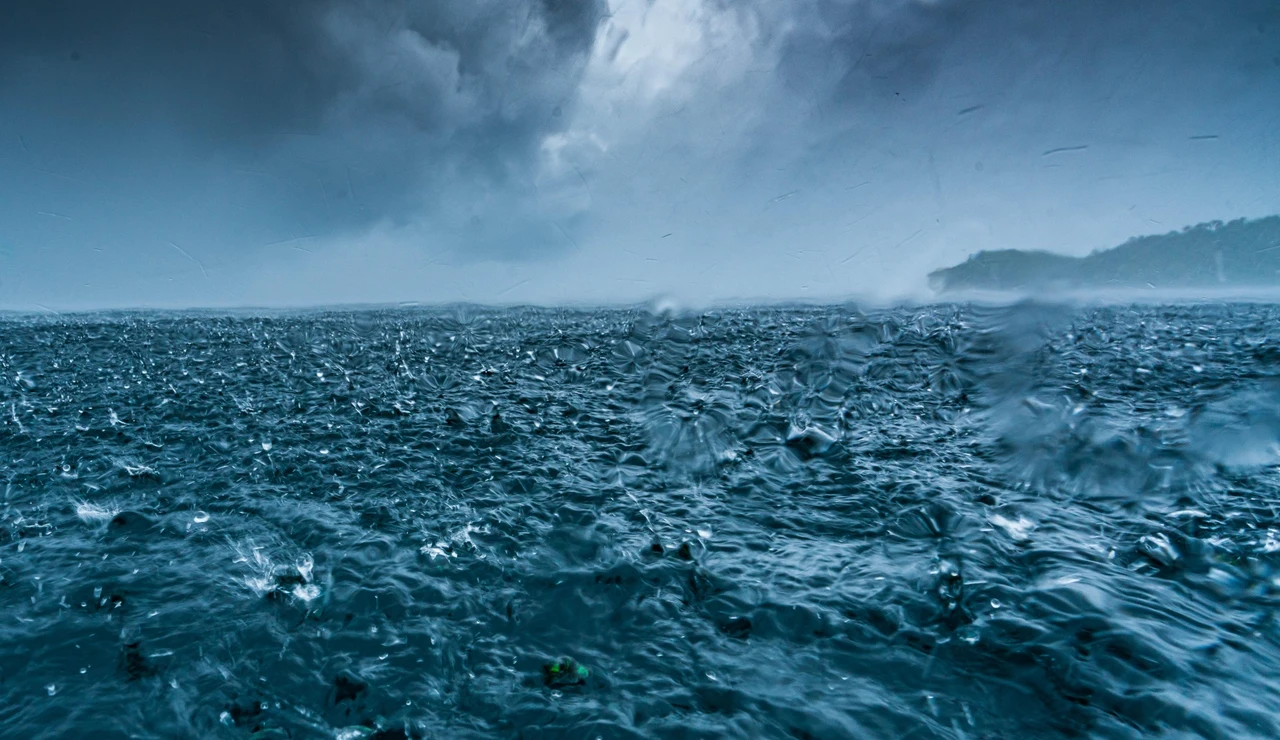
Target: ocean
951, 521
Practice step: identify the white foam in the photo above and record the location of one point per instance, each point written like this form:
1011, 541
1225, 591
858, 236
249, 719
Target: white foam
1016, 529
93, 513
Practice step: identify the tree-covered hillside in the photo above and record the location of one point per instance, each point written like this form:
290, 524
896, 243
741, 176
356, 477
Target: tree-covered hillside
1216, 254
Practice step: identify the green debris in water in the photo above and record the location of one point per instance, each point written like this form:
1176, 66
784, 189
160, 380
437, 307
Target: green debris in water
564, 672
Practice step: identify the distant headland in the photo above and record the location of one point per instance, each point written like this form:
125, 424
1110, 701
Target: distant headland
1235, 254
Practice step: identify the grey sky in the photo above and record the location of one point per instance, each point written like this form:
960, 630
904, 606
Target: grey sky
278, 152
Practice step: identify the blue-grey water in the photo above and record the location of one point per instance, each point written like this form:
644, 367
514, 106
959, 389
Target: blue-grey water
941, 522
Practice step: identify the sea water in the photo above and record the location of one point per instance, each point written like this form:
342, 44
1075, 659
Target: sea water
948, 521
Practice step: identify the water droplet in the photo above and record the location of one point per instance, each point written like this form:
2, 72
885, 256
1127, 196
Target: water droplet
52, 689
995, 603
84, 670
266, 446
200, 517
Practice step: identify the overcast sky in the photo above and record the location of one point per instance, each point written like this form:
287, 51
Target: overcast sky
281, 152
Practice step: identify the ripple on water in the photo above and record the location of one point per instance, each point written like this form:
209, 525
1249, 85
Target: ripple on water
813, 522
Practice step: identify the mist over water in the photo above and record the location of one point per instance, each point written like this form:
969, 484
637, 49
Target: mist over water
951, 521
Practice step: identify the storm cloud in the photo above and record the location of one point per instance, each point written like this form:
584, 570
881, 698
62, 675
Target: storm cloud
367, 107
178, 153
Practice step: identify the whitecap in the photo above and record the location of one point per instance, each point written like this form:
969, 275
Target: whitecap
308, 592
88, 512
1016, 529
305, 566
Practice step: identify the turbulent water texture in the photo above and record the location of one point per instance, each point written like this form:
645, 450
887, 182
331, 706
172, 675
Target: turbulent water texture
949, 522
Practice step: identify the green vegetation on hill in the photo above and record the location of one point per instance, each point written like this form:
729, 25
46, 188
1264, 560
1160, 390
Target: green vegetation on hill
1215, 254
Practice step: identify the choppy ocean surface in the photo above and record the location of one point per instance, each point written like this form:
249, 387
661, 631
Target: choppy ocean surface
942, 522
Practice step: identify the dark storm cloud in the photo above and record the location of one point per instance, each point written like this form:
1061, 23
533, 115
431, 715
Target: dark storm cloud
867, 52
378, 104
878, 47
854, 75
221, 68
258, 66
